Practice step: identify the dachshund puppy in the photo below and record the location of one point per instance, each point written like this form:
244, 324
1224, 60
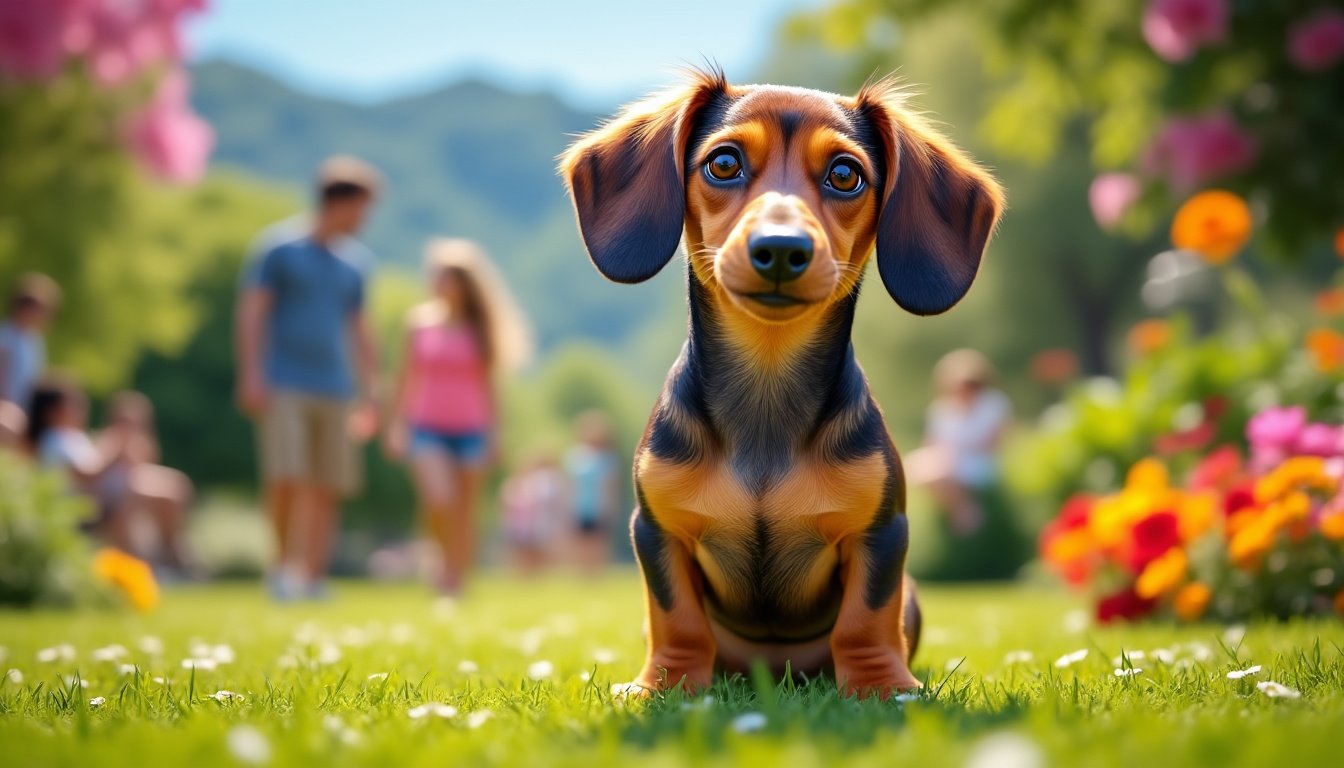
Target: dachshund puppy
771, 503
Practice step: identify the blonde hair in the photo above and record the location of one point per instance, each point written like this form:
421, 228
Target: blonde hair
962, 366
501, 327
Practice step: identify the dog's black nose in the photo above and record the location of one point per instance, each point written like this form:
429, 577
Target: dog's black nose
780, 254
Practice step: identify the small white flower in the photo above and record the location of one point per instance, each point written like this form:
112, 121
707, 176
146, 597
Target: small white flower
1076, 622
1131, 655
202, 664
530, 641
1234, 634
1237, 674
377, 677
96, 702
222, 654
151, 645
1164, 655
1069, 659
226, 697
604, 655
905, 698
328, 654
111, 653
1018, 657
288, 661
749, 722
478, 718
402, 634
1130, 672
467, 667
585, 675
62, 652
249, 745
622, 690
540, 670
1200, 652
14, 676
1005, 750
953, 664
432, 709
127, 669
159, 680
71, 681
1277, 690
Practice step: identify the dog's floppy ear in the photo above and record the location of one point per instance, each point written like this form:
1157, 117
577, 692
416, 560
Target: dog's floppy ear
626, 180
938, 209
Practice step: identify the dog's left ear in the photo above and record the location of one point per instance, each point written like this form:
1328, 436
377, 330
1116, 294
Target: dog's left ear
938, 209
626, 180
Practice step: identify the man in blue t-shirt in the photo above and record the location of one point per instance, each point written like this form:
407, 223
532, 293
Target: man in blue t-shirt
300, 321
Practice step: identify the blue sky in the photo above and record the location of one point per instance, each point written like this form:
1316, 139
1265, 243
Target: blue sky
591, 52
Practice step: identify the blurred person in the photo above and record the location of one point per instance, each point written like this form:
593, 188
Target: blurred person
959, 460
594, 479
23, 352
300, 316
534, 500
445, 412
118, 470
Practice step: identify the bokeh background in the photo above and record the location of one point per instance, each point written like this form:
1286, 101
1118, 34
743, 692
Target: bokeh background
137, 173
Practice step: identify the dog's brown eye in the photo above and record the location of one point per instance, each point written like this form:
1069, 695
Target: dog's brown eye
724, 166
844, 177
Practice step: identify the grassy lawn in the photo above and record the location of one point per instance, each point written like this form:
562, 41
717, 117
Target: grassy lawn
526, 669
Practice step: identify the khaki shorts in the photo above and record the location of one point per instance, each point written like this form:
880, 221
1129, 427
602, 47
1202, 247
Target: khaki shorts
305, 438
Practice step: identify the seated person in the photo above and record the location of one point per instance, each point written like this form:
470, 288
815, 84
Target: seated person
118, 471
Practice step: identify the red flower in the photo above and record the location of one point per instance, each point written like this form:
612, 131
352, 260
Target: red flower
1238, 498
1125, 604
1217, 471
1152, 537
1193, 439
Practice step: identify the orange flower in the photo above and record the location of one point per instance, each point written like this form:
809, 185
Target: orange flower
1327, 347
1216, 224
131, 575
1339, 242
1330, 302
1192, 601
1332, 525
1148, 336
1163, 574
1251, 543
1339, 602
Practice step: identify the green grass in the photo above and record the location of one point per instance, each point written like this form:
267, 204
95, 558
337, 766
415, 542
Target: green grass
304, 672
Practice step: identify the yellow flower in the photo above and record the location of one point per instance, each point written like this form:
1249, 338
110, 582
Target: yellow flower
1192, 600
1299, 472
131, 575
1148, 474
1197, 513
1163, 574
1332, 526
1251, 543
1215, 223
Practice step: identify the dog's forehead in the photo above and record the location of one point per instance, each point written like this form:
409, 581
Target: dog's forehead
789, 107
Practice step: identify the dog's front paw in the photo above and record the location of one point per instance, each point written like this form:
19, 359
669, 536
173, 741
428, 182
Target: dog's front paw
879, 676
663, 678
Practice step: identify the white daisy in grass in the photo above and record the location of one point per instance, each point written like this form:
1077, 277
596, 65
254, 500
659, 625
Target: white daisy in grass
604, 655
110, 653
954, 664
1133, 656
1238, 674
160, 680
287, 661
906, 698
62, 652
1018, 657
478, 718
71, 681
126, 670
623, 690
1128, 672
529, 642
97, 701
585, 675
1076, 622
248, 745
1277, 690
226, 697
14, 676
1005, 750
540, 670
1234, 634
377, 677
468, 667
431, 709
151, 645
1199, 652
200, 664
328, 654
1069, 659
1163, 655
749, 722
402, 634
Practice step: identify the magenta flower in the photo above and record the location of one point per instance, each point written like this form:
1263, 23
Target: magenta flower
1316, 43
171, 141
1276, 427
1325, 440
1111, 195
1175, 29
1192, 151
31, 35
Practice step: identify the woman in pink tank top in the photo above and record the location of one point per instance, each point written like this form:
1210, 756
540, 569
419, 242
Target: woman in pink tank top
444, 415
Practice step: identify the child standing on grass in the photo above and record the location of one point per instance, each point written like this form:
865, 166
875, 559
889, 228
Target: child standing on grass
23, 352
534, 501
594, 480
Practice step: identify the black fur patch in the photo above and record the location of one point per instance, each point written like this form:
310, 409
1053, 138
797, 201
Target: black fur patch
651, 546
789, 122
885, 543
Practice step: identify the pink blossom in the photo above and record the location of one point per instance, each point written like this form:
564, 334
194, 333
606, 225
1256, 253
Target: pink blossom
121, 38
1323, 440
170, 140
1276, 427
31, 32
1192, 151
1316, 43
1111, 196
1175, 29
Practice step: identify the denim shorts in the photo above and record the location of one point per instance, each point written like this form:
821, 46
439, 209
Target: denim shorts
466, 447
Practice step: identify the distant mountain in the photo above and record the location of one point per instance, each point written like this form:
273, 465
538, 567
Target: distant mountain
469, 160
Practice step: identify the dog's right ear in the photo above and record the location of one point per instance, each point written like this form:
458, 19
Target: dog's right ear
626, 181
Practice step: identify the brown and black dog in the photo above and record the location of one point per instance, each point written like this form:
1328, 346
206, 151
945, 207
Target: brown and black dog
771, 503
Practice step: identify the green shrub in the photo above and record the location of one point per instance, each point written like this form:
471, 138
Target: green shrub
44, 558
